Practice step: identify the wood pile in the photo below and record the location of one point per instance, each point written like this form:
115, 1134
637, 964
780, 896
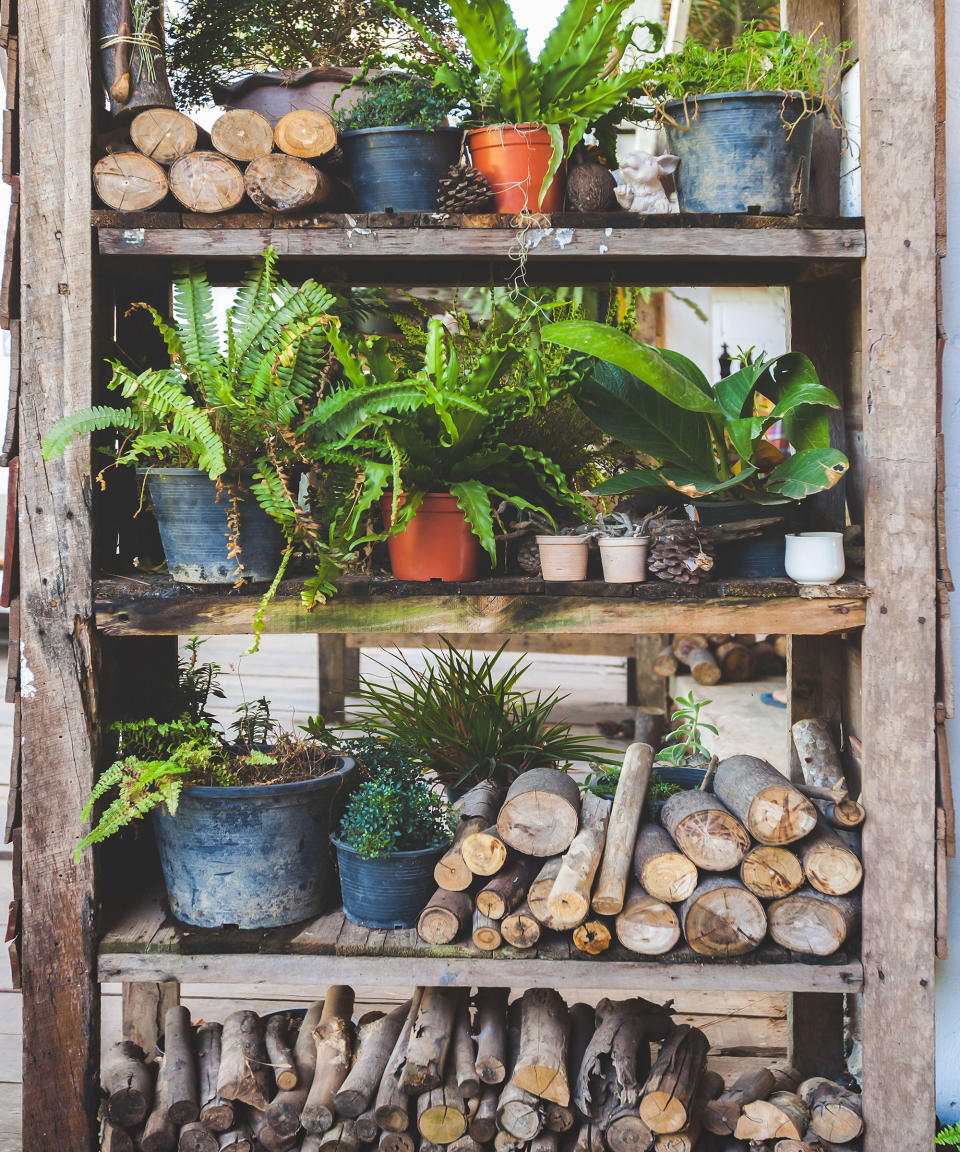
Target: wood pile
722, 870
444, 1071
712, 658
282, 169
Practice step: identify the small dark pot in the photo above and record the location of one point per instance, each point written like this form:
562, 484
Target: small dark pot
389, 892
739, 155
760, 557
194, 530
256, 856
399, 169
688, 779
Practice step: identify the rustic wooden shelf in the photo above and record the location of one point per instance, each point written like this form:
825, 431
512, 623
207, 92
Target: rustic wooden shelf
147, 944
157, 606
570, 247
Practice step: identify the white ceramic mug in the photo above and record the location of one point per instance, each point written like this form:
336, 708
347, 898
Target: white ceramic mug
814, 557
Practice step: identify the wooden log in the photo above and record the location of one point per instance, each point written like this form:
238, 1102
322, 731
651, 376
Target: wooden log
451, 872
626, 1131
664, 873
782, 1116
647, 925
649, 726
216, 1113
113, 1138
483, 1123
486, 932
705, 830
589, 1138
685, 642
737, 662
818, 755
592, 937
785, 1079
541, 1065
519, 1112
830, 864
129, 182
206, 182
267, 1139
491, 1064
283, 1111
686, 1139
484, 852
441, 1114
610, 889
376, 1042
616, 1060
780, 645
180, 1066
391, 1103
666, 663
502, 1142
766, 660
395, 1142
130, 84
163, 134
812, 923
239, 1139
844, 813
367, 1128
128, 1083
773, 810
771, 872
242, 134
723, 918
464, 1054
669, 1093
703, 666
283, 184
244, 1065
797, 1146
430, 1039
538, 894
159, 1132
342, 1137
836, 1113
278, 1050
508, 888
448, 914
464, 1143
720, 1116
333, 1036
541, 812
194, 1137
306, 133
569, 901
520, 929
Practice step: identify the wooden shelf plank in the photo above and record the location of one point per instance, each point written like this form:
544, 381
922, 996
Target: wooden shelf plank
156, 605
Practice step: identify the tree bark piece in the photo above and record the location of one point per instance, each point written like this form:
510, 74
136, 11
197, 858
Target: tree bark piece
835, 1113
541, 1066
771, 808
771, 872
720, 1116
239, 1139
569, 901
441, 1115
464, 1054
376, 1042
610, 889
333, 1036
448, 914
520, 929
491, 1061
306, 133
159, 1132
478, 811
668, 1095
283, 1112
430, 1040
180, 1065
206, 182
812, 923
647, 925
242, 134
665, 873
831, 865
216, 1113
538, 894
541, 812
278, 1050
483, 1124
194, 1137
484, 852
163, 134
282, 184
723, 918
486, 932
128, 1083
616, 1060
705, 830
508, 888
592, 937
783, 1116
391, 1104
129, 182
244, 1072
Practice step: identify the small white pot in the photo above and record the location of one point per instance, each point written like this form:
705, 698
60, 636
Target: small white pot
814, 557
624, 558
563, 557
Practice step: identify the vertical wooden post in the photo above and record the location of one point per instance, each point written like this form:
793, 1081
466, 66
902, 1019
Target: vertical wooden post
338, 669
59, 652
644, 687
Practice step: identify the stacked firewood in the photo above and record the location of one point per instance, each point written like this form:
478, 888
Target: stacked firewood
724, 867
723, 656
439, 1071
281, 168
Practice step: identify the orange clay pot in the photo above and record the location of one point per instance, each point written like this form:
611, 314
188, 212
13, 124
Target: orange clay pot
437, 544
514, 159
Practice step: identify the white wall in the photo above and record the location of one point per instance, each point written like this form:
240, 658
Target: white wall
756, 318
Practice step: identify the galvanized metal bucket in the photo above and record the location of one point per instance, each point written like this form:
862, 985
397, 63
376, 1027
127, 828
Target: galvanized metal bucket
399, 169
389, 892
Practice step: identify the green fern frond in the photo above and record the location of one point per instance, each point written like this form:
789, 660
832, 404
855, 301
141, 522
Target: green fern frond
83, 424
193, 310
948, 1137
260, 616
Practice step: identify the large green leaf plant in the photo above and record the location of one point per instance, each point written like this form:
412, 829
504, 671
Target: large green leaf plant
701, 440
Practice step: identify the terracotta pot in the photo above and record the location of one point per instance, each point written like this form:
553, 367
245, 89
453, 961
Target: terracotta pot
624, 559
437, 544
514, 158
563, 557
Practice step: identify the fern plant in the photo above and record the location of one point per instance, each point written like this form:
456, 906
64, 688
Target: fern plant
949, 1136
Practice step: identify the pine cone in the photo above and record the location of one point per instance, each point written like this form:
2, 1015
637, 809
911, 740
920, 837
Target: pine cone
463, 190
528, 556
681, 555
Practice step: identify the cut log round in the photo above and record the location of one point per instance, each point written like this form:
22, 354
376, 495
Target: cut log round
430, 1039
181, 1066
508, 888
441, 1115
128, 1083
216, 1113
703, 666
705, 830
206, 182
342, 1137
785, 1079
451, 871
367, 1127
669, 1093
375, 1043
239, 1139
845, 813
541, 813
448, 914
771, 872
666, 663
115, 1139
242, 134
538, 894
159, 1132
283, 1112
486, 932
592, 937
395, 1142
569, 901
482, 802
305, 132
541, 1065
163, 134
333, 1037
830, 864
647, 925
771, 808
129, 182
267, 1139
520, 929
783, 1116
279, 1051
736, 662
194, 1137
283, 184
687, 1138
519, 1113
391, 1104
812, 923
835, 1113
483, 1123
611, 887
723, 918
484, 852
684, 642
720, 1116
664, 873
626, 1132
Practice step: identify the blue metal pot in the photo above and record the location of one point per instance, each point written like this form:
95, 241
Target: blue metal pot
256, 856
760, 557
399, 169
194, 530
739, 153
390, 891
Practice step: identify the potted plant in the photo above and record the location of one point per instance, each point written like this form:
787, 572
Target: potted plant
394, 829
527, 116
563, 554
623, 548
397, 143
242, 822
706, 444
740, 118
